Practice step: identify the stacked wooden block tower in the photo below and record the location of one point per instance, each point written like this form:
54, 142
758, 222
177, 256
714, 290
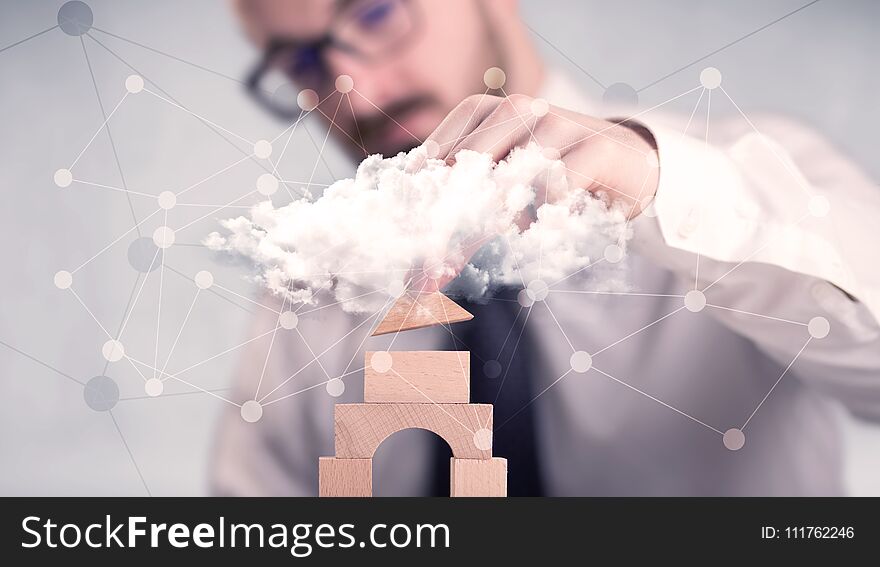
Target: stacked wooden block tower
415, 389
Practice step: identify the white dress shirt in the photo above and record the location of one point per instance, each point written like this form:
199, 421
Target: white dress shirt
779, 225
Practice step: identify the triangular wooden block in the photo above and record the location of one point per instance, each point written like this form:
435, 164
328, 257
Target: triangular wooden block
421, 310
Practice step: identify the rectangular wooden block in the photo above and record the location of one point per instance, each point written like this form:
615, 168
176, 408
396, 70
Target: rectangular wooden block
478, 477
420, 376
361, 428
345, 477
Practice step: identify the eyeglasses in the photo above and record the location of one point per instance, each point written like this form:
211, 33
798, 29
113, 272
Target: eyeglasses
368, 30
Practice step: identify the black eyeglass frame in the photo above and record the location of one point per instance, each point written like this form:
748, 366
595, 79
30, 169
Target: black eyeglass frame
327, 41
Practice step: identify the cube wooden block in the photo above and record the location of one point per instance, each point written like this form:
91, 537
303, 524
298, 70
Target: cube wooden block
345, 477
478, 477
420, 376
361, 428
418, 310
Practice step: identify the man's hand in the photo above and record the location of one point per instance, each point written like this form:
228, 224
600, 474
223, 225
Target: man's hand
617, 161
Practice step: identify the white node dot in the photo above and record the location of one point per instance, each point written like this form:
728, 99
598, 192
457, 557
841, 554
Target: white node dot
381, 361
494, 78
525, 298
551, 153
695, 300
63, 178
335, 387
167, 200
263, 149
540, 107
613, 253
288, 320
819, 206
819, 327
267, 184
710, 77
483, 439
537, 290
204, 279
113, 350
581, 361
163, 237
432, 149
134, 84
734, 439
63, 279
652, 159
153, 387
307, 99
251, 411
396, 288
344, 83
433, 268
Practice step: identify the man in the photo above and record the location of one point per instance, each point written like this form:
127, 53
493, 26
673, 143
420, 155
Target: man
755, 301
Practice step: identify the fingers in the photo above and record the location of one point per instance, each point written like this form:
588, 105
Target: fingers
604, 158
509, 125
463, 119
496, 125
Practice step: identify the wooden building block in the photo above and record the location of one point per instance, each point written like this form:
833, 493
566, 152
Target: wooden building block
478, 477
345, 477
437, 376
418, 310
361, 428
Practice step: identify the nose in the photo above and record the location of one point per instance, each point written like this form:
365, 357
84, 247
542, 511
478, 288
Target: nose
374, 82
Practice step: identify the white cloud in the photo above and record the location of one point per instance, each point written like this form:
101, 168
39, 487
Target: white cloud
397, 213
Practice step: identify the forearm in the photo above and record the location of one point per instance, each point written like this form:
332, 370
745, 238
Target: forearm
744, 230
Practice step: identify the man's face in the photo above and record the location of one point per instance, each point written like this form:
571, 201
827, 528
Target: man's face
412, 61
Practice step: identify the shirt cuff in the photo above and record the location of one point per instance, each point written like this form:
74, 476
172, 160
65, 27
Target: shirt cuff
747, 204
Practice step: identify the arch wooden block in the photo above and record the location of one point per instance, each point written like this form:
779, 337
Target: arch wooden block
420, 376
478, 477
421, 310
361, 428
345, 477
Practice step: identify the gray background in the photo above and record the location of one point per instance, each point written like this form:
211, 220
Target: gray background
817, 65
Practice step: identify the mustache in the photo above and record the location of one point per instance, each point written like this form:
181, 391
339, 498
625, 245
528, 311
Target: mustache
373, 125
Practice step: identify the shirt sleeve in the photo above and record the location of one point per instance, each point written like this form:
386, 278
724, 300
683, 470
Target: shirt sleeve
278, 454
773, 229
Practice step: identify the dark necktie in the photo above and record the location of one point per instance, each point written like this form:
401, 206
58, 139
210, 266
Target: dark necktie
496, 334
